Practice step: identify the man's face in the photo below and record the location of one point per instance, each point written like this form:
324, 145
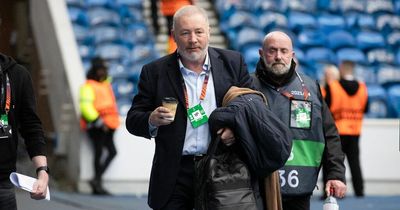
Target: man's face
277, 54
192, 34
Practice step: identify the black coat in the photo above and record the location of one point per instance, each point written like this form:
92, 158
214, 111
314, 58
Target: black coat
266, 140
22, 116
162, 78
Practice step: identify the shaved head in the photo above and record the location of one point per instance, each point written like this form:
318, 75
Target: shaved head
277, 53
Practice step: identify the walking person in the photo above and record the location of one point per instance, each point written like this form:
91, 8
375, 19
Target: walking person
296, 99
347, 99
100, 118
18, 115
197, 76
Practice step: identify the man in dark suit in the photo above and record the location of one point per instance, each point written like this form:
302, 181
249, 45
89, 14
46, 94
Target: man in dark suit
198, 76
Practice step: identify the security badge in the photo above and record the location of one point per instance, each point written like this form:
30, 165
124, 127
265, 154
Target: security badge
5, 129
197, 116
300, 114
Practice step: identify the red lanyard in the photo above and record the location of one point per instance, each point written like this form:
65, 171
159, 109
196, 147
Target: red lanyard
203, 90
303, 86
8, 95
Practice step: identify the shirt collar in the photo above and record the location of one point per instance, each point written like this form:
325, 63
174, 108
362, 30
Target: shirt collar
206, 66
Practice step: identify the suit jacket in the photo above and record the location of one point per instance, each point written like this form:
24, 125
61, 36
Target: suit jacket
162, 78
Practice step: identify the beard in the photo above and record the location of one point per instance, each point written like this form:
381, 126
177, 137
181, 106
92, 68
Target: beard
194, 56
277, 68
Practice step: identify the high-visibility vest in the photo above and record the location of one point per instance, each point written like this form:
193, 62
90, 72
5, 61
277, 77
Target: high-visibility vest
169, 7
97, 100
348, 111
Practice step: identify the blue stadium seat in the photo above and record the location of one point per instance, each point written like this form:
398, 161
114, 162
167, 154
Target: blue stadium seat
100, 3
368, 39
321, 55
393, 40
78, 16
384, 6
103, 34
299, 21
380, 56
307, 6
262, 7
352, 54
76, 3
269, 20
242, 19
103, 16
116, 70
377, 99
130, 15
299, 55
311, 38
122, 87
388, 74
124, 104
137, 33
249, 37
366, 73
398, 57
387, 23
332, 6
85, 51
143, 53
347, 6
251, 57
112, 51
340, 39
130, 3
357, 21
330, 22
82, 34
394, 100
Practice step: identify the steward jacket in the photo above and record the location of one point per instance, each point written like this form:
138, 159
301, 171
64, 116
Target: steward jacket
97, 100
22, 116
348, 107
313, 147
169, 7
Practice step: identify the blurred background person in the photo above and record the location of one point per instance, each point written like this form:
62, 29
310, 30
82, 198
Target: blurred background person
168, 9
331, 73
100, 118
347, 99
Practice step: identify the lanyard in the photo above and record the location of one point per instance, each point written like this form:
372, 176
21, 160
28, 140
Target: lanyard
203, 89
7, 94
303, 86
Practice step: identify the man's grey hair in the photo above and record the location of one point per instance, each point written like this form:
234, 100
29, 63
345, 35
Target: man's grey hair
186, 10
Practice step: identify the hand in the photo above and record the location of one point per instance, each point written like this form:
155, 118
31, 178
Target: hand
39, 190
157, 117
338, 186
227, 136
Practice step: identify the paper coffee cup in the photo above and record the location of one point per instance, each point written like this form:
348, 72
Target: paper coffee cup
170, 103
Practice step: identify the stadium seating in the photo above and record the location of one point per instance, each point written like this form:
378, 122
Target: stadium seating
394, 100
377, 99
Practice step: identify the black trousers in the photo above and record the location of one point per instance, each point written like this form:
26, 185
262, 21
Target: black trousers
182, 197
102, 139
351, 148
7, 196
296, 203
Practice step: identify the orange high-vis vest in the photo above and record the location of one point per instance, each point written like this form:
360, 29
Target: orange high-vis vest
348, 111
97, 100
169, 7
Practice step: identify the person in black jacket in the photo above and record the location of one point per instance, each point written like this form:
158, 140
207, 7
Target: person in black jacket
264, 139
18, 113
296, 99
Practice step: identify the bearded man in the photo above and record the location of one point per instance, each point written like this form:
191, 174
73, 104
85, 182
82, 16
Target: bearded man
296, 99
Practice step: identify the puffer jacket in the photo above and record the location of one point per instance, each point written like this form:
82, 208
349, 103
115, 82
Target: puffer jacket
266, 141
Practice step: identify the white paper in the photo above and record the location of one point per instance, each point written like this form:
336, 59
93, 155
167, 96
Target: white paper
25, 182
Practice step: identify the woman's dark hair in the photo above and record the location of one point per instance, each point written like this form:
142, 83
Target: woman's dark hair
97, 63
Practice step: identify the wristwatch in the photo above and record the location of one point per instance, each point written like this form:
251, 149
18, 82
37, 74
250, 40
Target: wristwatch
44, 168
